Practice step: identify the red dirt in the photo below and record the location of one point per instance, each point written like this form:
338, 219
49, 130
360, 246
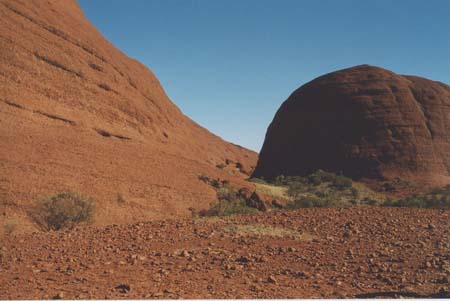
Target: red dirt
364, 122
342, 253
77, 114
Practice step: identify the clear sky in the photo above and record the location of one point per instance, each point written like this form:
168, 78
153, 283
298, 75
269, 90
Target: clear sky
229, 64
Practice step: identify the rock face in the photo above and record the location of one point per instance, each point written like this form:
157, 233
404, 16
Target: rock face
77, 114
364, 122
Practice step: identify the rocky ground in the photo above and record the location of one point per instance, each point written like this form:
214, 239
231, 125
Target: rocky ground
308, 253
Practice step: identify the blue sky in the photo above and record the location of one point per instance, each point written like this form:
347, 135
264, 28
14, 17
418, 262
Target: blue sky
230, 64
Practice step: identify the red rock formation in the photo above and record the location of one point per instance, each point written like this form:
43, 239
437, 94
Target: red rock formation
77, 114
364, 122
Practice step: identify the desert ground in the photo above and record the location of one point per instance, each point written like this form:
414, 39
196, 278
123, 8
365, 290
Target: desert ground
307, 253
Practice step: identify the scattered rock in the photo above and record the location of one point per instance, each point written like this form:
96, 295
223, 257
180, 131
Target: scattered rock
123, 288
58, 296
259, 201
271, 279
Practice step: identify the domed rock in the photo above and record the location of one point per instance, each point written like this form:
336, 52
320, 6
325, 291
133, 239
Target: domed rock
363, 122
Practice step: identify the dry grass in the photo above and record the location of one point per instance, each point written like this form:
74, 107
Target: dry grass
264, 230
367, 193
277, 192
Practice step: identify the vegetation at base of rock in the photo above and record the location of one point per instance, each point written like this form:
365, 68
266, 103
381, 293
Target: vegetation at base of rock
310, 202
438, 198
321, 189
63, 210
230, 202
258, 181
276, 192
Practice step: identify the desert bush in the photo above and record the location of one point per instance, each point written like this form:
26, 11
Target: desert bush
230, 202
314, 179
342, 183
226, 193
437, 198
280, 181
355, 193
369, 201
221, 166
204, 178
63, 210
215, 183
310, 202
288, 180
295, 189
319, 176
323, 193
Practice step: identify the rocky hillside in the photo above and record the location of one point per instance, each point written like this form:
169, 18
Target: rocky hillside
77, 114
364, 122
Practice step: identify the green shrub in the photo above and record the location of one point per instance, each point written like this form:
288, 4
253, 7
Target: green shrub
226, 193
369, 201
310, 202
325, 176
230, 202
296, 189
319, 176
437, 198
215, 183
280, 180
204, 178
290, 180
323, 194
63, 210
342, 183
355, 193
314, 179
